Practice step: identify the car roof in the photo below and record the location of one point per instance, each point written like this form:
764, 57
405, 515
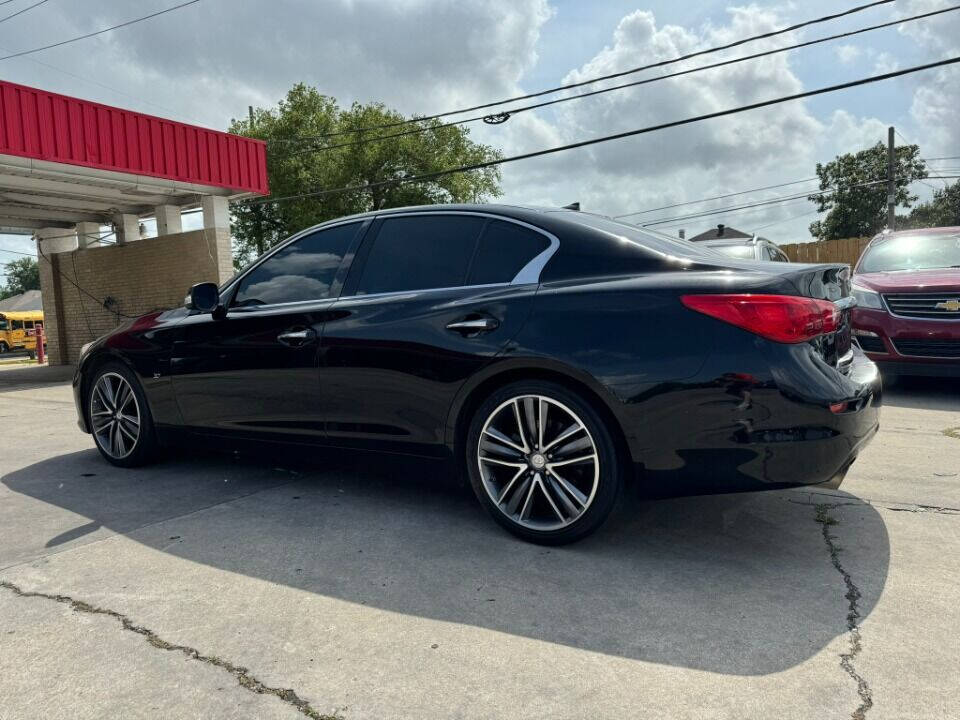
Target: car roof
951, 230
738, 241
518, 211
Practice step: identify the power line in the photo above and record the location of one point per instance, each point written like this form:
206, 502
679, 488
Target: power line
99, 32
786, 220
569, 86
715, 197
502, 117
615, 136
773, 201
21, 12
759, 203
675, 223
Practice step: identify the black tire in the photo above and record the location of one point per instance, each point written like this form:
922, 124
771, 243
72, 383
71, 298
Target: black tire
4, 349
603, 482
144, 447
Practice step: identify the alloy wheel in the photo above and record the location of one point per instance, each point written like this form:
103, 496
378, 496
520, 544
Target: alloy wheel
538, 462
115, 415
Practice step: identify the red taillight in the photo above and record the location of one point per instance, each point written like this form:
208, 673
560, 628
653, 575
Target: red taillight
782, 318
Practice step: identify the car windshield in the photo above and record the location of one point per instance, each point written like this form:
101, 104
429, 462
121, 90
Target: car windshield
911, 252
744, 252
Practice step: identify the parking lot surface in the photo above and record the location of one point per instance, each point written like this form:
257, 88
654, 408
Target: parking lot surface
214, 586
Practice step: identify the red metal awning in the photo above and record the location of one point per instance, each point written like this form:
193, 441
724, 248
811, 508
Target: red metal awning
56, 128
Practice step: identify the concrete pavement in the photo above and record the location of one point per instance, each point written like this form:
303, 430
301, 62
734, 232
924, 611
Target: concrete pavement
219, 586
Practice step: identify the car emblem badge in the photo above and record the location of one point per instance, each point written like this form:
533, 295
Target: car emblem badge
948, 305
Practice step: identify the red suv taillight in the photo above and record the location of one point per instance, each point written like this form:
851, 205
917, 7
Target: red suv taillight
782, 318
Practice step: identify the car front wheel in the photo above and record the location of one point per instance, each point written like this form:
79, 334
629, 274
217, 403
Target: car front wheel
119, 417
542, 462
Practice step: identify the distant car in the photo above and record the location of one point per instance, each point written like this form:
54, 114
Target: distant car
554, 355
754, 248
907, 286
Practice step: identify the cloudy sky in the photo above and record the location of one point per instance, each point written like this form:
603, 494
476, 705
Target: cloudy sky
206, 63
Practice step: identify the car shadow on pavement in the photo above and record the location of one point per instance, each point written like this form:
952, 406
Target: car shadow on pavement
735, 584
923, 393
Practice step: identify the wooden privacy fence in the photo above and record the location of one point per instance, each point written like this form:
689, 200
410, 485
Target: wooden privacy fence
844, 250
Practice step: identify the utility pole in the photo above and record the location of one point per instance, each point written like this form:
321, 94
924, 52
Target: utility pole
256, 208
891, 184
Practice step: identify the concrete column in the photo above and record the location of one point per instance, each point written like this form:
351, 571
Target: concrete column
168, 220
216, 212
128, 228
88, 235
55, 240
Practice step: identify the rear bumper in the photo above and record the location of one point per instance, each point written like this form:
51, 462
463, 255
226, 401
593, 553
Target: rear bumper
743, 432
909, 346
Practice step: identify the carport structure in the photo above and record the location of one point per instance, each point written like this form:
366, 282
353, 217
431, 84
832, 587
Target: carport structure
70, 167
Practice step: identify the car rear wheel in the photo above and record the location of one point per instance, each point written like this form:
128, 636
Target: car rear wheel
119, 417
542, 462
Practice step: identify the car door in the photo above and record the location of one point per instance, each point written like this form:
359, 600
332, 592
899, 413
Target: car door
431, 299
253, 369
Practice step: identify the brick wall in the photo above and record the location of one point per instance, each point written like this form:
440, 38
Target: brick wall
140, 276
844, 250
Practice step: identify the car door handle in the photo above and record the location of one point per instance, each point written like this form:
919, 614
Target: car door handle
296, 338
473, 325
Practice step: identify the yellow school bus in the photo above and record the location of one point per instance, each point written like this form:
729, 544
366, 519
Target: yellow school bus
18, 330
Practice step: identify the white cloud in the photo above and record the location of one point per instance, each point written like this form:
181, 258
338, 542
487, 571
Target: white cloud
703, 159
848, 53
935, 94
884, 62
207, 62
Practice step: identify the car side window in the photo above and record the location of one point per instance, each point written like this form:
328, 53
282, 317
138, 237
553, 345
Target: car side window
505, 248
420, 252
303, 270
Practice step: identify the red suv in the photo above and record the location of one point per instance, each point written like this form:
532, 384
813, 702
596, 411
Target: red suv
907, 286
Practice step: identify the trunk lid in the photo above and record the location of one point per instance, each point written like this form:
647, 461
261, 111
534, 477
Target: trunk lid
822, 281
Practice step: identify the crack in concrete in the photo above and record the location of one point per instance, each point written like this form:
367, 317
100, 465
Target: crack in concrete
898, 507
853, 611
244, 678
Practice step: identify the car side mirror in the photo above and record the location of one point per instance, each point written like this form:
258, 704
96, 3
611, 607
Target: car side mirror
204, 297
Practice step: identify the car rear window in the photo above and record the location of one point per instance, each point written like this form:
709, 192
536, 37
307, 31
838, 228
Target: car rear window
505, 248
420, 252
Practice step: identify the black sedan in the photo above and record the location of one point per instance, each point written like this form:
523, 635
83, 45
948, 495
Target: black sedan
555, 356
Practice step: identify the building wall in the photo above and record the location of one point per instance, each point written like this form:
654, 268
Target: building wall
139, 277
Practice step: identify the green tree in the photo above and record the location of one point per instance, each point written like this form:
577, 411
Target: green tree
941, 211
22, 274
295, 165
855, 208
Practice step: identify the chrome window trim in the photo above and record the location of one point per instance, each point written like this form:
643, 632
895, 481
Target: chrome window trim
529, 274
